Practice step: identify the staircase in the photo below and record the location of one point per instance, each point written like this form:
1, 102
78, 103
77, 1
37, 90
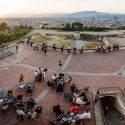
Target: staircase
113, 117
4, 54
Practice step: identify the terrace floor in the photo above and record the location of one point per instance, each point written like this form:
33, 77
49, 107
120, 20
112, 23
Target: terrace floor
95, 70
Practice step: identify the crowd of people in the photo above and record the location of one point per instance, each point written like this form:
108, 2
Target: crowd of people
106, 49
98, 49
44, 47
40, 74
28, 109
79, 100
24, 109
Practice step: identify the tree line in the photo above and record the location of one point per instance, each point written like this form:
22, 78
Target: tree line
8, 34
77, 26
80, 27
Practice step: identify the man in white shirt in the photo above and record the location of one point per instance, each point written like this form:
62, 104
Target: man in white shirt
20, 114
54, 77
79, 101
85, 115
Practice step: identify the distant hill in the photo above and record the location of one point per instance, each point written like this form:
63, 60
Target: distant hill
84, 14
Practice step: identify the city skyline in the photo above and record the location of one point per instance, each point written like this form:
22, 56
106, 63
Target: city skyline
16, 8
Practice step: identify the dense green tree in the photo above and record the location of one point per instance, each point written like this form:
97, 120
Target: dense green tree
3, 26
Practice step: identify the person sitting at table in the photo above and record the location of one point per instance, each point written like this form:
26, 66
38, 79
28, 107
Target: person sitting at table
10, 99
19, 104
50, 84
76, 95
4, 107
38, 111
73, 88
85, 115
36, 75
28, 115
30, 104
86, 101
19, 96
21, 85
79, 100
88, 114
54, 77
1, 100
33, 114
44, 73
59, 86
20, 114
74, 109
69, 80
29, 91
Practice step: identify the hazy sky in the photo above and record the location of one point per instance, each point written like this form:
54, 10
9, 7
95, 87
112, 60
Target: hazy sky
31, 7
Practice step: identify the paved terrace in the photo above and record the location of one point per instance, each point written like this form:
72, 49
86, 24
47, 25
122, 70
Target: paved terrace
95, 70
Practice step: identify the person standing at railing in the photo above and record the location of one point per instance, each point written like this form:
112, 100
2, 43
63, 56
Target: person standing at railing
17, 47
45, 50
68, 49
62, 49
81, 51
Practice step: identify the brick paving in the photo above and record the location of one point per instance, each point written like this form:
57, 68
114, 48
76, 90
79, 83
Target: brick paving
97, 63
85, 63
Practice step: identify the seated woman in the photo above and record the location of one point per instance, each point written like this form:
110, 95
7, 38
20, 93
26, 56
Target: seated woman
4, 107
74, 109
73, 88
29, 91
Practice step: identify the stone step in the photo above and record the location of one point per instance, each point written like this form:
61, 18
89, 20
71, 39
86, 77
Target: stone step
4, 54
113, 117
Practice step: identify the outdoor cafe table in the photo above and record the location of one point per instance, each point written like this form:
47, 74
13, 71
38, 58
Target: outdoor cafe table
70, 118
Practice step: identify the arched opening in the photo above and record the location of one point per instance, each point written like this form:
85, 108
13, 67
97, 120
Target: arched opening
112, 115
108, 101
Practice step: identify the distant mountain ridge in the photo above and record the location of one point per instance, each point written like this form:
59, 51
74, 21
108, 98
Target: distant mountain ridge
84, 14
